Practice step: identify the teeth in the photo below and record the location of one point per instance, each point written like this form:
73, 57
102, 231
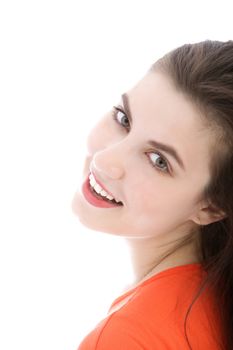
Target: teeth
92, 181
99, 189
110, 197
103, 193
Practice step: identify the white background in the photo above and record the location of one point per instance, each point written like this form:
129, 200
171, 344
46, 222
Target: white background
63, 64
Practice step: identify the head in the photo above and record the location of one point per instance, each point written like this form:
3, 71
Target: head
163, 193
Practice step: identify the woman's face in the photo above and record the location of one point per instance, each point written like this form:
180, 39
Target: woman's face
158, 191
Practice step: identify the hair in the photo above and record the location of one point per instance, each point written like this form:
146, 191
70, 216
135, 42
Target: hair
203, 72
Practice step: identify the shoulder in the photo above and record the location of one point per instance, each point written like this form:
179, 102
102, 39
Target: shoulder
156, 315
154, 318
168, 293
126, 332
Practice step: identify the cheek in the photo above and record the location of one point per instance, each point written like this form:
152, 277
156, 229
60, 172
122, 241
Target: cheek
142, 199
164, 203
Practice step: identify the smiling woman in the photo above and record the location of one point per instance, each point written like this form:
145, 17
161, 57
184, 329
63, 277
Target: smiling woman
158, 173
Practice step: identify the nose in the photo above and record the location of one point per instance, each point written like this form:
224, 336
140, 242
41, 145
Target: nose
109, 163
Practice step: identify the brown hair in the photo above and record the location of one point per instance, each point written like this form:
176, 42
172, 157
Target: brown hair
204, 73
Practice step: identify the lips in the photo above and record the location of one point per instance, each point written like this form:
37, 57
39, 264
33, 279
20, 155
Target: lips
95, 199
102, 186
97, 195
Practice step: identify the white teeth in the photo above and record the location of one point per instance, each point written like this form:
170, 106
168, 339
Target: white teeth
92, 182
99, 189
110, 197
103, 193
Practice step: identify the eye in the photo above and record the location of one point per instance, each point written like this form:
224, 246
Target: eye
159, 160
120, 117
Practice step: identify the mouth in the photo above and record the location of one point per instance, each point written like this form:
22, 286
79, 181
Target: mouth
97, 195
101, 188
96, 199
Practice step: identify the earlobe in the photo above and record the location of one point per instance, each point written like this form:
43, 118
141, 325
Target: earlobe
208, 215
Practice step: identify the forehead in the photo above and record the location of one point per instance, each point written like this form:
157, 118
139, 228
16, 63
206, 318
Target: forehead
166, 115
156, 97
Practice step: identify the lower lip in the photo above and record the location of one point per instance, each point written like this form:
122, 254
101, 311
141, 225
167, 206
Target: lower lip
93, 199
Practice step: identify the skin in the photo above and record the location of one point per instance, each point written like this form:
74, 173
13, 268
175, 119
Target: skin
160, 208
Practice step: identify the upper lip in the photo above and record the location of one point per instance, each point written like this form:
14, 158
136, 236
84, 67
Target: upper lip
104, 188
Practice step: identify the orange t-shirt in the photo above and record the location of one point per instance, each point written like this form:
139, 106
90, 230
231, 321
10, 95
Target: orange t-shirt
151, 316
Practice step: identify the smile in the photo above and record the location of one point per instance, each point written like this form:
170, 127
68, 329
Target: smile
100, 191
97, 199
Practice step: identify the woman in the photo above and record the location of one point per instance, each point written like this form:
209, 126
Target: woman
162, 161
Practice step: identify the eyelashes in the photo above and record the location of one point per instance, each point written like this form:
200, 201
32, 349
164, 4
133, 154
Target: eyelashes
118, 112
115, 113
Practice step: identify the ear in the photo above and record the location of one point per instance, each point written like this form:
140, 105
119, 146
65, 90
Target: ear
207, 215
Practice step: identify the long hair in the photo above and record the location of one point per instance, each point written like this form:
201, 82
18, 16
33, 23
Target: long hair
204, 73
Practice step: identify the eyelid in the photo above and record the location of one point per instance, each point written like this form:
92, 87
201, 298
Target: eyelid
121, 109
169, 169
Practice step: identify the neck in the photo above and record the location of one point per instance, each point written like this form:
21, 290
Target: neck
149, 259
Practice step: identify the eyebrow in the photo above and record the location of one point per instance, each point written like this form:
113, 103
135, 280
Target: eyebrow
161, 146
